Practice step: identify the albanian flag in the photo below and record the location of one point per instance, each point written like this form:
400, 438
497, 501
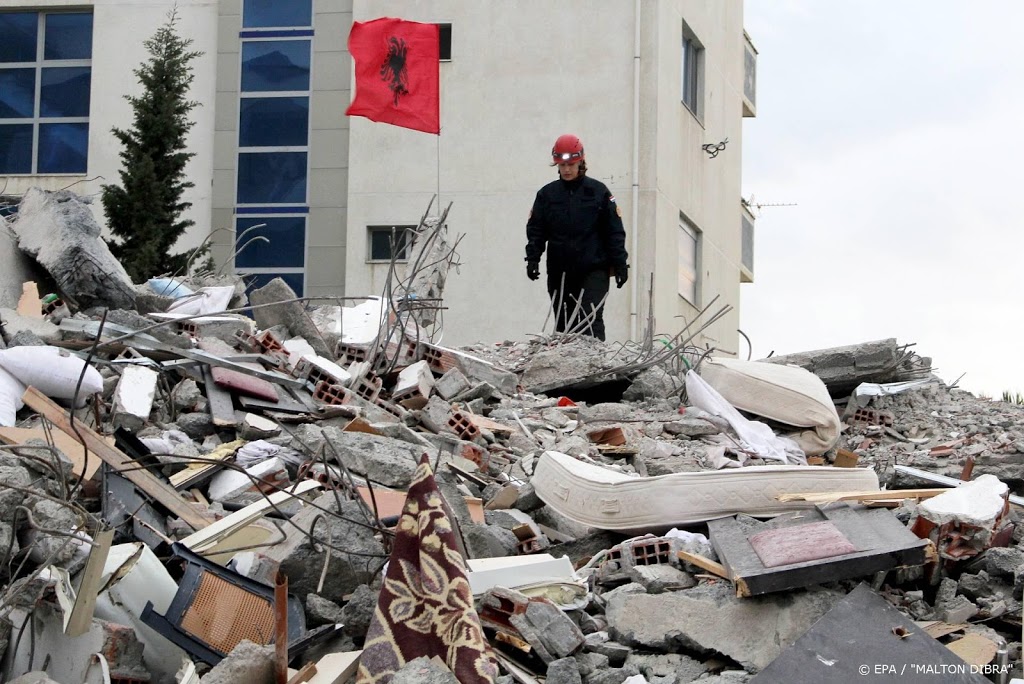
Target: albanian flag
397, 79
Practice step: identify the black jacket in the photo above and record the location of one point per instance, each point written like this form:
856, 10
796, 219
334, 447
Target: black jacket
579, 223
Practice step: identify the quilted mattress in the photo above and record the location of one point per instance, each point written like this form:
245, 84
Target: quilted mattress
608, 500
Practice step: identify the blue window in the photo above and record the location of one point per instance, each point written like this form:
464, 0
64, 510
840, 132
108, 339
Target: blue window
20, 31
273, 122
68, 36
285, 245
277, 14
254, 281
272, 178
45, 86
65, 92
17, 93
16, 148
275, 65
63, 147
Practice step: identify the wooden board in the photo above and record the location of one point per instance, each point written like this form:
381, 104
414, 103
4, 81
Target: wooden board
218, 399
880, 540
975, 649
82, 460
143, 479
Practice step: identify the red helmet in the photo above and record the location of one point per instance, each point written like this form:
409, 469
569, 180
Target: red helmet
568, 148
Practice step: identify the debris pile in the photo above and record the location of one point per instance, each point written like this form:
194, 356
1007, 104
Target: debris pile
204, 484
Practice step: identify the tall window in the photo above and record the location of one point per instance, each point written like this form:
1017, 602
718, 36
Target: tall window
45, 79
691, 70
690, 244
271, 195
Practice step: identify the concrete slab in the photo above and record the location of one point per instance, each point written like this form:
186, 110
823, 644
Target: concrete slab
860, 640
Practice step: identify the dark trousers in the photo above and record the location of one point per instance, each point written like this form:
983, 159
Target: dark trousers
579, 297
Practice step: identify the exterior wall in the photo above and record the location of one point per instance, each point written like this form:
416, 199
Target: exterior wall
571, 71
502, 106
119, 29
327, 179
686, 180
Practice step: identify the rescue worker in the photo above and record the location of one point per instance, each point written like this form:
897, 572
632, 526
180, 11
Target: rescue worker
577, 220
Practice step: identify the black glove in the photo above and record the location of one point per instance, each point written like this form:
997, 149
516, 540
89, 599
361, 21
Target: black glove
533, 270
621, 275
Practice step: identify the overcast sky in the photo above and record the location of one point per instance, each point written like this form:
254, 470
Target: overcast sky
897, 129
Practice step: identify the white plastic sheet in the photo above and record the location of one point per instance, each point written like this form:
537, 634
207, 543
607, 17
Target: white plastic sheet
754, 436
208, 300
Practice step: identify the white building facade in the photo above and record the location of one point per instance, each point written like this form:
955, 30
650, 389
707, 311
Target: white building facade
656, 89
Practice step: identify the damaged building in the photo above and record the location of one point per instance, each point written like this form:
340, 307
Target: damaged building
205, 485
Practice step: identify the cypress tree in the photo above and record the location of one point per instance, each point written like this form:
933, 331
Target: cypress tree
145, 211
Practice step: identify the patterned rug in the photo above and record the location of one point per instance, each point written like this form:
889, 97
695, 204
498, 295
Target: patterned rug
426, 606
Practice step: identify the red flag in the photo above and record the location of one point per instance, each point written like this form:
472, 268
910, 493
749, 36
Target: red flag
397, 79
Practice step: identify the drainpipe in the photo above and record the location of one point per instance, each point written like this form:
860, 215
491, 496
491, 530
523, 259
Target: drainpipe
634, 309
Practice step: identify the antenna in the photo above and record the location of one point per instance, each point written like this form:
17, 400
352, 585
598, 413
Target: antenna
752, 204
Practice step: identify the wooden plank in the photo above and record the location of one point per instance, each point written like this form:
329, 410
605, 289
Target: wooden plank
222, 407
143, 479
880, 495
82, 460
336, 668
938, 628
89, 587
705, 563
304, 675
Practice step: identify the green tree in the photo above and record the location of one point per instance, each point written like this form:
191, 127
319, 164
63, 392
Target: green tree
145, 211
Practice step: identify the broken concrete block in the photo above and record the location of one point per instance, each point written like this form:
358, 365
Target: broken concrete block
424, 670
489, 541
549, 630
1003, 562
412, 389
291, 314
659, 667
59, 231
966, 520
18, 328
196, 425
358, 611
380, 459
247, 662
652, 383
657, 579
434, 415
451, 384
320, 611
133, 397
354, 559
668, 622
253, 427
563, 671
443, 359
613, 652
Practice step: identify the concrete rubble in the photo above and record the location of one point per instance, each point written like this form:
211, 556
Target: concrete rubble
277, 485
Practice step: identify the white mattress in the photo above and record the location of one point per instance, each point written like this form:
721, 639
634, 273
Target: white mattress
602, 498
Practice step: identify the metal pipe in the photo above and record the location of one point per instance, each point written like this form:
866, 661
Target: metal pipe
634, 303
281, 628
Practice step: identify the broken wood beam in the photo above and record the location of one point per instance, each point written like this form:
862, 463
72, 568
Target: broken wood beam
705, 563
143, 479
879, 495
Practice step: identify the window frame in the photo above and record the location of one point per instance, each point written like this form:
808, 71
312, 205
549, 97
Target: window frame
695, 236
691, 73
406, 229
38, 65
